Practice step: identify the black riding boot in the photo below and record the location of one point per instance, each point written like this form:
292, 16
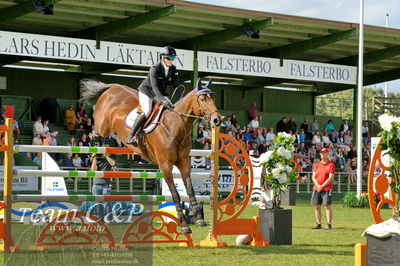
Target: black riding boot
138, 123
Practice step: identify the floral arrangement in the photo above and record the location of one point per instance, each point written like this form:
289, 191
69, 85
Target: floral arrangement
391, 145
350, 200
279, 168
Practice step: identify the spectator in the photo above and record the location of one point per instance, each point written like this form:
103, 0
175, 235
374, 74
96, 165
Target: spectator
252, 111
329, 126
84, 141
261, 135
340, 157
352, 154
291, 125
227, 123
38, 159
254, 149
206, 139
234, 121
314, 126
16, 131
302, 136
332, 152
304, 126
28, 155
333, 135
262, 148
302, 149
260, 121
71, 141
67, 162
70, 118
254, 124
317, 140
38, 127
53, 140
247, 135
46, 127
365, 129
325, 138
270, 137
347, 138
231, 131
37, 140
102, 186
76, 161
280, 126
81, 115
312, 153
344, 127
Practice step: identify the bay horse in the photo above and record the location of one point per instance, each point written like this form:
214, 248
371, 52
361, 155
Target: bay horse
169, 143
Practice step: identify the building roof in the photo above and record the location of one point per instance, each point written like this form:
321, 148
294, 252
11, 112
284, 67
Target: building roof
212, 28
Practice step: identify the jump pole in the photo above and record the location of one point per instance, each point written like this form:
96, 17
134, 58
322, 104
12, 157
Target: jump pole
7, 244
212, 240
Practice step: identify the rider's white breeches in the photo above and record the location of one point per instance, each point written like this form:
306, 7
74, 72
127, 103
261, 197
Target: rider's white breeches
145, 103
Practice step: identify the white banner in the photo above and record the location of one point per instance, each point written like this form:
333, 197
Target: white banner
270, 67
35, 45
21, 183
200, 186
54, 185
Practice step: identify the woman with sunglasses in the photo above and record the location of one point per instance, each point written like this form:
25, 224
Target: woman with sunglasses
154, 87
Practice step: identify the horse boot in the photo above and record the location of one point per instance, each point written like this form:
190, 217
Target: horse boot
131, 139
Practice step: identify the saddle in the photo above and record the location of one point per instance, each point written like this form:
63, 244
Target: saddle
151, 122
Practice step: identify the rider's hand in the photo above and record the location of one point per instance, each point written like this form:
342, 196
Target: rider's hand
167, 103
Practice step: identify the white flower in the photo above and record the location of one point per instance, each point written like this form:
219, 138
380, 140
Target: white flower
386, 120
281, 151
266, 156
287, 154
289, 169
282, 178
275, 172
278, 165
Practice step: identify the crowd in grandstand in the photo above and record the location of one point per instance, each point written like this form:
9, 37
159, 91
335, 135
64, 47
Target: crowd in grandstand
308, 140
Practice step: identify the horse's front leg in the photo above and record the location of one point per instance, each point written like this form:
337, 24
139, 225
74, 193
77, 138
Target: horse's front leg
167, 172
185, 169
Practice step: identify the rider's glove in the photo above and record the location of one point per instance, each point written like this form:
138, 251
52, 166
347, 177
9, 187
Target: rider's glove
167, 103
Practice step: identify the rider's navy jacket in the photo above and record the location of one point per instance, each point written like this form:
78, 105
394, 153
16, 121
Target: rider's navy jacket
155, 84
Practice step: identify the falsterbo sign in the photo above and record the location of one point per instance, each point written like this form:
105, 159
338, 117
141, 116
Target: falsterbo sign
44, 46
270, 67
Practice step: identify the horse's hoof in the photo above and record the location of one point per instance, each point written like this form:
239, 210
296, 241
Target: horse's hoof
200, 223
186, 230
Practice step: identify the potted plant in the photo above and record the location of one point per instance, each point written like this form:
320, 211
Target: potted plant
279, 171
383, 238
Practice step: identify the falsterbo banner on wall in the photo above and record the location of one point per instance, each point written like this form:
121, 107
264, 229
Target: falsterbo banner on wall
270, 67
64, 48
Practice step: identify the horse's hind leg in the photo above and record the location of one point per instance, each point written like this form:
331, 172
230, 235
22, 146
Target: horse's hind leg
184, 169
167, 172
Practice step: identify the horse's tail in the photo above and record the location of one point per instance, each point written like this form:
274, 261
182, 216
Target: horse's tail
92, 89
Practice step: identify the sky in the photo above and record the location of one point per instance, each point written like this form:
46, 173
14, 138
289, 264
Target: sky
340, 10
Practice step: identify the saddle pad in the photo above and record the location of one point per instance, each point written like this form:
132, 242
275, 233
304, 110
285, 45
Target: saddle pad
133, 115
131, 118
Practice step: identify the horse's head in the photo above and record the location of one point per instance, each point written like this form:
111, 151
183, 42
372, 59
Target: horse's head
205, 104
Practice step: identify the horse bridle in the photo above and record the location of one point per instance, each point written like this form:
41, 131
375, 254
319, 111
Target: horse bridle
204, 115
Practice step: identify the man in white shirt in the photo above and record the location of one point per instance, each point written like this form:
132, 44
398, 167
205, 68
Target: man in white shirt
38, 127
270, 136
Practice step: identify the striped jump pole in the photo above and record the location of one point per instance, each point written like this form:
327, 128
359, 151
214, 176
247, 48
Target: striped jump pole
100, 198
104, 174
98, 150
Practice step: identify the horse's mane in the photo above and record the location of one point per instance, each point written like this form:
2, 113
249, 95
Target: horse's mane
184, 98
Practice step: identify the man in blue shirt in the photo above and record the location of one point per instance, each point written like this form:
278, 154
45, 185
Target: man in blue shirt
302, 136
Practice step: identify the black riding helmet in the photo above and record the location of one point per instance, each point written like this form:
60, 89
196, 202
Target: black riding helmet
167, 51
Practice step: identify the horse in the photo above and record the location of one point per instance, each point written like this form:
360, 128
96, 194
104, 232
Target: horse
169, 144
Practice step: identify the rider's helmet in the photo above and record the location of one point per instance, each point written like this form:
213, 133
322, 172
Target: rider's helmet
168, 51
